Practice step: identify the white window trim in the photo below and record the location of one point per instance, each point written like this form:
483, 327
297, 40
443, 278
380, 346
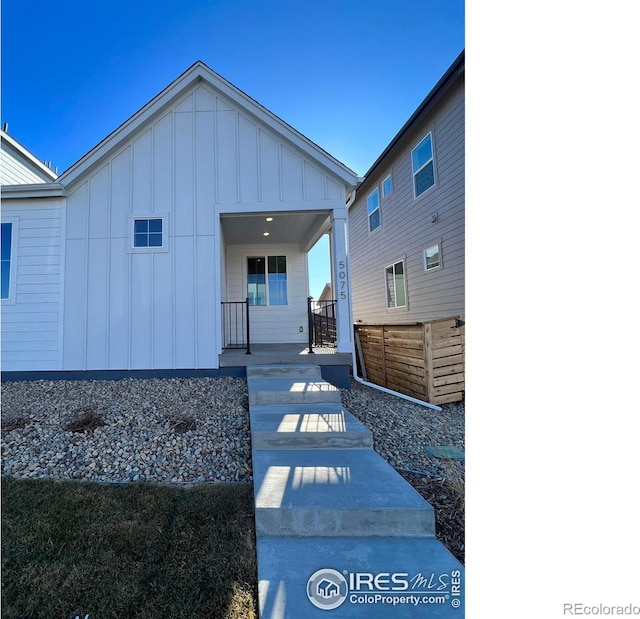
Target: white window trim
397, 308
433, 158
374, 210
165, 233
386, 178
13, 264
437, 242
245, 276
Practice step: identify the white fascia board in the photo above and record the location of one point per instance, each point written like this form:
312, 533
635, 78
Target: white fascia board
23, 152
196, 73
33, 190
280, 127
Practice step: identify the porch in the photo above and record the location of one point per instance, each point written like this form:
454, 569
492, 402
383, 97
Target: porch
270, 354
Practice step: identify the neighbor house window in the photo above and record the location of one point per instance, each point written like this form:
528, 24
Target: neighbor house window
147, 232
422, 164
387, 186
432, 258
267, 280
373, 209
5, 248
396, 286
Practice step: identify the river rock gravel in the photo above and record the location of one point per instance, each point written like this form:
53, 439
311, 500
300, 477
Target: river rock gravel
187, 430
165, 430
402, 430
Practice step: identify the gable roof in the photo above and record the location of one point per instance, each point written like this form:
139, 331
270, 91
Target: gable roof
199, 72
441, 87
26, 158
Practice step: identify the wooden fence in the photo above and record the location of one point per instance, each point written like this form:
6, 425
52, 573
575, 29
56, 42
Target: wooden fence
424, 360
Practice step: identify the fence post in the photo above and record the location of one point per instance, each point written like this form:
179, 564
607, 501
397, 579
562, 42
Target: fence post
248, 335
428, 359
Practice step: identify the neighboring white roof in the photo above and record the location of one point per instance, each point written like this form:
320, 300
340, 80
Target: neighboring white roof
199, 72
18, 155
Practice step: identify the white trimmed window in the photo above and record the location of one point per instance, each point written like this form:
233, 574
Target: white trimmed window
423, 166
432, 257
373, 210
8, 249
149, 233
387, 186
267, 280
396, 285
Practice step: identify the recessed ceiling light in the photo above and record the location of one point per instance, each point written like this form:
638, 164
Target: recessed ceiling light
265, 234
269, 218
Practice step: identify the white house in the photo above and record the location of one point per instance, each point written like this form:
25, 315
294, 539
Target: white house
19, 166
202, 197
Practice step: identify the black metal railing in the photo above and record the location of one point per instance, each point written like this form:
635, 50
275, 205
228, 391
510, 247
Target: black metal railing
235, 325
322, 323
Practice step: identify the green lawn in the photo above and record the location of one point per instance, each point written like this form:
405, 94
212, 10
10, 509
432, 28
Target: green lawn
134, 551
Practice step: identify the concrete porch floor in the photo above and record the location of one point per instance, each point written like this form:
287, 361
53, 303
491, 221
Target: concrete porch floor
269, 354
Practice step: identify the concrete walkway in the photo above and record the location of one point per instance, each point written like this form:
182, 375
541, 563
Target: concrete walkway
339, 532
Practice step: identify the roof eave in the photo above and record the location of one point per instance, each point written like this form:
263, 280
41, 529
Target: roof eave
201, 72
456, 67
33, 190
39, 165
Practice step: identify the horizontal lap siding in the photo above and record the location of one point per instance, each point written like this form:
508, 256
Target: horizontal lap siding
14, 171
278, 324
407, 228
31, 325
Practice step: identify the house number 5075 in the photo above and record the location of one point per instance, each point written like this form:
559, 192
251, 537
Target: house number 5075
342, 279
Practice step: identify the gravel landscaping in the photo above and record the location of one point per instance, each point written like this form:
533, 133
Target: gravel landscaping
163, 430
197, 431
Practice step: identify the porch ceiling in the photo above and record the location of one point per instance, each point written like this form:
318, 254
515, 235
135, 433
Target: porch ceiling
301, 228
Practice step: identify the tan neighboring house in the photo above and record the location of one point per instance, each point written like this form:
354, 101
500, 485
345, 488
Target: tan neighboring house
406, 224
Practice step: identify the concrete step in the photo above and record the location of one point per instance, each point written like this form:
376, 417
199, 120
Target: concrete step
280, 370
368, 577
290, 390
307, 426
335, 492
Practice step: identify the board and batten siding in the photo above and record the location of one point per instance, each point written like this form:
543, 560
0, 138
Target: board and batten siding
31, 317
407, 228
125, 309
276, 324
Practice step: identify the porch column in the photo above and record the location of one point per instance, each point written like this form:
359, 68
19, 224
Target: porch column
340, 279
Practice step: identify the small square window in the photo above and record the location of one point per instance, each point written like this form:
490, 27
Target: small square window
147, 232
373, 210
432, 258
387, 186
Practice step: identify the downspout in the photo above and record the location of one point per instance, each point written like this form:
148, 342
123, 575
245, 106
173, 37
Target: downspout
384, 389
355, 364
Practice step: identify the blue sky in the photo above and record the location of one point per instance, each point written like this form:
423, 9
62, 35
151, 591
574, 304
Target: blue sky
347, 74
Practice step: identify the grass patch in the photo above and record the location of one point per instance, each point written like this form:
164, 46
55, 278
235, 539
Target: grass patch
142, 551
